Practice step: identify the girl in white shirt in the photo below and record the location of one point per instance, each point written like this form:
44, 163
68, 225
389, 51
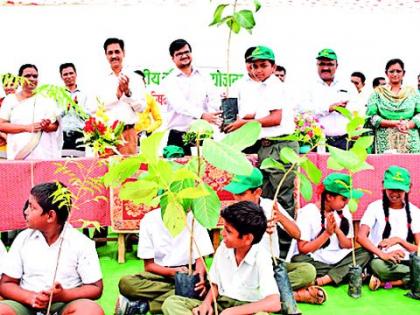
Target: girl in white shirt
389, 229
327, 230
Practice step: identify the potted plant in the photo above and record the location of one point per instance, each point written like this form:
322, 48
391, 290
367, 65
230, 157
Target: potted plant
235, 21
308, 131
195, 135
179, 188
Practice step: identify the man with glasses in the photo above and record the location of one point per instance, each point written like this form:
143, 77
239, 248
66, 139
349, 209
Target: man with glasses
361, 98
325, 96
190, 95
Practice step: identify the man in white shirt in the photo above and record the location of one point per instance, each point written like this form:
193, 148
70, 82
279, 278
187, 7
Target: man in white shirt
361, 99
325, 95
190, 94
72, 122
122, 93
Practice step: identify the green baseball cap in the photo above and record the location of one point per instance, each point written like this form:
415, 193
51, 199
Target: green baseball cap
239, 183
173, 151
396, 177
262, 53
339, 183
327, 53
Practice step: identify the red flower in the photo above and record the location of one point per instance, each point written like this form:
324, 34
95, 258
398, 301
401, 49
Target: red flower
101, 128
89, 125
115, 124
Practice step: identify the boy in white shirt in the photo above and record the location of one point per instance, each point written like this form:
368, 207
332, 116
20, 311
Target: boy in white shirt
241, 276
390, 229
29, 268
163, 256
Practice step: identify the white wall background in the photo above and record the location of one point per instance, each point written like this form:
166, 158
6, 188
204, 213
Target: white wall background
364, 38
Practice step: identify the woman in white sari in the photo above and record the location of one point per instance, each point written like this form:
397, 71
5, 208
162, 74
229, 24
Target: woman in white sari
30, 121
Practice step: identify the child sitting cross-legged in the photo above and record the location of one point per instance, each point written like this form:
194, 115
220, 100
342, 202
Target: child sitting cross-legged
389, 229
301, 274
241, 276
163, 256
326, 230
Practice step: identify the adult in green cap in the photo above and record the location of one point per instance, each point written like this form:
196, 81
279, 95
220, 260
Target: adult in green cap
301, 275
389, 230
327, 231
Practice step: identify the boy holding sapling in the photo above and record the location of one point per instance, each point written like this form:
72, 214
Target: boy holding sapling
301, 275
28, 270
163, 256
241, 276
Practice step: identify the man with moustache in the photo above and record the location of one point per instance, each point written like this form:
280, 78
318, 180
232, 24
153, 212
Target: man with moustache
122, 93
190, 94
326, 95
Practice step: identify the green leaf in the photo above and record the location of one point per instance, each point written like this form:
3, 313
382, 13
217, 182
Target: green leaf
354, 124
245, 18
192, 165
359, 132
272, 163
163, 172
345, 112
234, 25
333, 164
257, 5
348, 159
226, 158
217, 15
353, 203
365, 166
119, 170
150, 146
207, 209
364, 142
288, 155
174, 218
139, 191
305, 186
313, 172
243, 137
192, 193
201, 126
184, 173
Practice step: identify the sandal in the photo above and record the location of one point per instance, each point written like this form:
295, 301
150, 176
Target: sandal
313, 295
374, 283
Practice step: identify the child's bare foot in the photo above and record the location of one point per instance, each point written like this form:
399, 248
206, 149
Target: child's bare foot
323, 280
312, 295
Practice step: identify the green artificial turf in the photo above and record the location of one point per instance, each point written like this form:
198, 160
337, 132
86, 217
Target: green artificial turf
380, 302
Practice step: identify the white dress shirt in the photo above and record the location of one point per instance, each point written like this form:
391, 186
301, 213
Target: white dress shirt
33, 261
156, 243
188, 97
125, 108
318, 99
250, 281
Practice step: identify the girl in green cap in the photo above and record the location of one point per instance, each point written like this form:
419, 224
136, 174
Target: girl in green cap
326, 231
389, 229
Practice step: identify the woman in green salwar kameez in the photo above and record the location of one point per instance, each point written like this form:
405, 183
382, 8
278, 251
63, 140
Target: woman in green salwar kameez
394, 112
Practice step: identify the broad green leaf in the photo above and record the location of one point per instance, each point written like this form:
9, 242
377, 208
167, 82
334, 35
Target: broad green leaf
257, 5
226, 158
287, 155
305, 186
184, 173
192, 165
365, 166
353, 203
272, 163
201, 126
345, 112
334, 165
348, 159
163, 172
354, 124
243, 137
120, 170
174, 218
364, 142
245, 18
192, 193
313, 172
177, 186
359, 132
207, 209
150, 146
138, 191
217, 15
234, 25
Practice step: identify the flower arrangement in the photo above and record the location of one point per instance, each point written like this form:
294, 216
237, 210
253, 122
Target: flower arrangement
308, 130
99, 135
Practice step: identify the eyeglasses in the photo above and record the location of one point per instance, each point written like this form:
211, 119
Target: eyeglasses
181, 53
395, 71
35, 76
326, 64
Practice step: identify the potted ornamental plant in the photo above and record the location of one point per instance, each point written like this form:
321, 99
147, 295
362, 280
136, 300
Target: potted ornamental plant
308, 131
179, 188
235, 20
